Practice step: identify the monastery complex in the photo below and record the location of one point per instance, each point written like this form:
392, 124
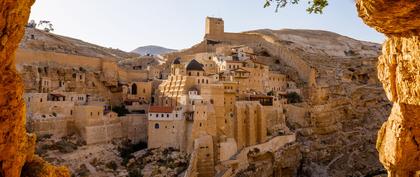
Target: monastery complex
235, 103
212, 104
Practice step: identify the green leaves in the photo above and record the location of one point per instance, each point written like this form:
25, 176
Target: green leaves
315, 6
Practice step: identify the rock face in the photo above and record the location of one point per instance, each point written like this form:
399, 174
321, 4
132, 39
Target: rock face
399, 71
16, 146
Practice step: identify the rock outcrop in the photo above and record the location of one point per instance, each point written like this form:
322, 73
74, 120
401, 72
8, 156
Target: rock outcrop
398, 140
16, 146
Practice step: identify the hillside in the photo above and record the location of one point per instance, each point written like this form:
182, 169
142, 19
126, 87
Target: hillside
323, 42
35, 39
152, 50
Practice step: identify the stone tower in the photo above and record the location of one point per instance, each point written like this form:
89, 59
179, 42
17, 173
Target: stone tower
214, 27
177, 68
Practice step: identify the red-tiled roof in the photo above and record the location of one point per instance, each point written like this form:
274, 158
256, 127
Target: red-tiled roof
161, 109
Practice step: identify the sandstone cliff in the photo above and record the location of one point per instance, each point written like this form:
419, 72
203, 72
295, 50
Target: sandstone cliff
345, 104
398, 70
16, 146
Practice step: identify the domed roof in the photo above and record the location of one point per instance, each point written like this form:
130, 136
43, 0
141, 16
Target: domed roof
194, 65
177, 60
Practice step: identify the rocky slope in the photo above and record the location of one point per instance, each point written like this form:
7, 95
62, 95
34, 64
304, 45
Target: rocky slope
345, 103
320, 42
39, 40
152, 50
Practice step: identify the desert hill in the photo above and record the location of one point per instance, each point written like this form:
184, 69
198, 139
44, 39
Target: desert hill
152, 50
35, 39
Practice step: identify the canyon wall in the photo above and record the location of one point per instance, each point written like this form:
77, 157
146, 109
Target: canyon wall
398, 140
16, 146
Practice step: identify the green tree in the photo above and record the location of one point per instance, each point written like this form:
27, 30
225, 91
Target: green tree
315, 6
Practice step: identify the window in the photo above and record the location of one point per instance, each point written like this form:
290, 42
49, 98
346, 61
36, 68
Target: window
189, 73
71, 112
150, 115
162, 115
200, 124
156, 126
40, 100
176, 115
134, 89
157, 115
144, 90
167, 115
91, 113
98, 113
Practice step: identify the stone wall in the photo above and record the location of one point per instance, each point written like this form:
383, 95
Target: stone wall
134, 127
27, 56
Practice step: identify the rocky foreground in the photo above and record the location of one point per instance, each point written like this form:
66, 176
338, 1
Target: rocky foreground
118, 158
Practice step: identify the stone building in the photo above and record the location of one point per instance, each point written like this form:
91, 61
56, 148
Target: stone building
194, 105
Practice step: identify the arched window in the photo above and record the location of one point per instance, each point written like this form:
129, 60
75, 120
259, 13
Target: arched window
156, 126
144, 90
134, 89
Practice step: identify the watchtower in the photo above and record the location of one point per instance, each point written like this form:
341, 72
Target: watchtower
214, 26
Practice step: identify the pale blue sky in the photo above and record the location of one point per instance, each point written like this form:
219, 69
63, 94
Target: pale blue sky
178, 24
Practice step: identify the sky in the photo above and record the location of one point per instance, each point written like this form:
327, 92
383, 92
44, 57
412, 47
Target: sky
179, 24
